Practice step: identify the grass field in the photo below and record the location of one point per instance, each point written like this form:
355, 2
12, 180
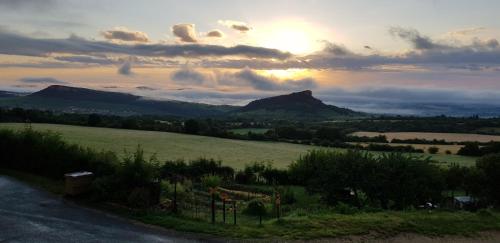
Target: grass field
235, 153
449, 137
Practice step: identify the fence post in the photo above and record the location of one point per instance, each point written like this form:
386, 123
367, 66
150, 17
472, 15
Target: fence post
224, 210
234, 212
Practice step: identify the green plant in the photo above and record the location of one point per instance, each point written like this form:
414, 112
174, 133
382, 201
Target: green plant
433, 150
256, 208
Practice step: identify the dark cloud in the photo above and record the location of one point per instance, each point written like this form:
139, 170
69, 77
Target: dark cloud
215, 33
260, 82
418, 41
124, 34
242, 28
41, 80
189, 77
185, 32
236, 25
125, 69
426, 53
86, 59
145, 88
336, 49
16, 44
242, 78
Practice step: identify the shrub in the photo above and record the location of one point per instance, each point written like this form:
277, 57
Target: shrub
139, 197
256, 208
433, 150
343, 208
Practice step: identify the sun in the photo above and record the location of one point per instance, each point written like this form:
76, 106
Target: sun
294, 41
295, 36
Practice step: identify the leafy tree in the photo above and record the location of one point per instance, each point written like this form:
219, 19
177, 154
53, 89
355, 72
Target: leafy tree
470, 149
191, 126
433, 150
489, 167
94, 120
330, 133
455, 178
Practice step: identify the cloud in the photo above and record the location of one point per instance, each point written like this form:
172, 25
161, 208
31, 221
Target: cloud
215, 33
85, 59
415, 101
243, 78
185, 32
28, 4
427, 53
189, 76
336, 49
250, 78
467, 31
16, 44
123, 34
236, 25
125, 69
145, 88
413, 36
41, 80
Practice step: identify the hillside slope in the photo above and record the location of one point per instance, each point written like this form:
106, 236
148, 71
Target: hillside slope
81, 100
300, 105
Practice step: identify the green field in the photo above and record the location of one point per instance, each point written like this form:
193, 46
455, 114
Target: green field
235, 153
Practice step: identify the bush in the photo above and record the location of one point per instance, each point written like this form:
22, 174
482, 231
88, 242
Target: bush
255, 208
344, 177
139, 197
433, 150
46, 154
343, 208
470, 149
211, 181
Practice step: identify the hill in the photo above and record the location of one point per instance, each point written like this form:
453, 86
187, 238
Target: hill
8, 94
299, 105
80, 100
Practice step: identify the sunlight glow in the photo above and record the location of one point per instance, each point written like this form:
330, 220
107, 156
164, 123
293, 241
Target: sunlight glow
294, 73
295, 36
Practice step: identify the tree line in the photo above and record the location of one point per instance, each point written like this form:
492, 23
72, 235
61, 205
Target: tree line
392, 180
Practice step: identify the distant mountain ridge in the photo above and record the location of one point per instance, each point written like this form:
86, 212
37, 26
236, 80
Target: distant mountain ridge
299, 105
73, 93
82, 100
8, 94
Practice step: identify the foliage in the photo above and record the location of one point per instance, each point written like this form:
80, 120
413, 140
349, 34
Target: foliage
196, 169
211, 181
45, 153
473, 149
489, 171
255, 208
342, 177
433, 150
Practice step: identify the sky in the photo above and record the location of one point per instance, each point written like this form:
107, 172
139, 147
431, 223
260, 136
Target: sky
357, 54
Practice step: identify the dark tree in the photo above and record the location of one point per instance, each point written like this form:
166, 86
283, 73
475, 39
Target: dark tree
94, 120
191, 126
